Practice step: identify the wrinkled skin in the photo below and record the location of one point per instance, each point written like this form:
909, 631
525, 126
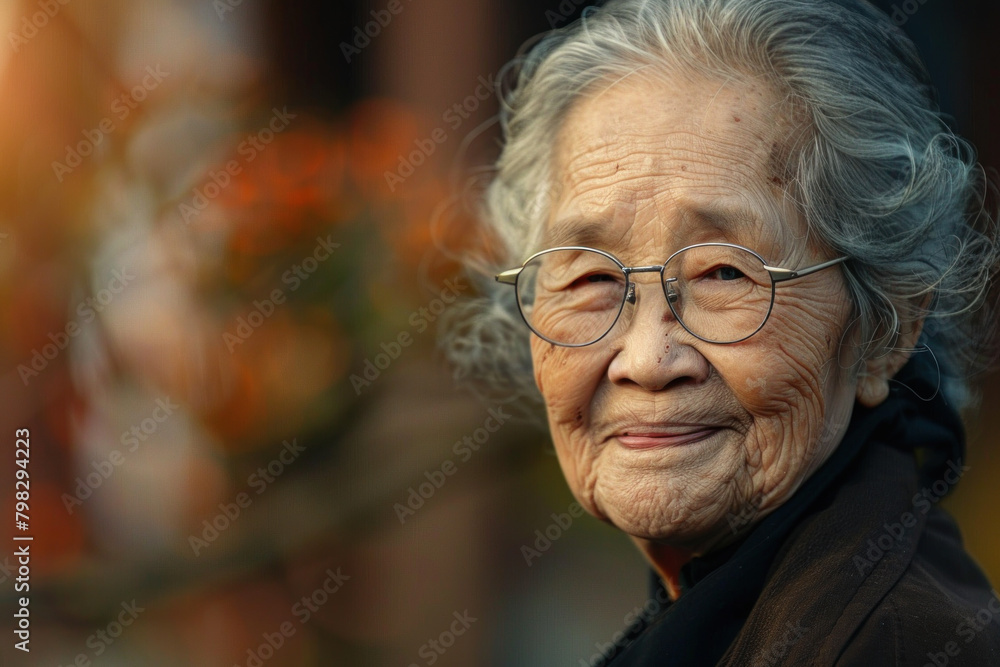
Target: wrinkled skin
653, 160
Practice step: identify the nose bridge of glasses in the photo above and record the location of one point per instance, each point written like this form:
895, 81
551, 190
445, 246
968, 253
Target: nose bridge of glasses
644, 269
630, 292
665, 283
629, 271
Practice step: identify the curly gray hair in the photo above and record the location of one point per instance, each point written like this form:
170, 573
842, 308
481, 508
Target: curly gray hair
876, 172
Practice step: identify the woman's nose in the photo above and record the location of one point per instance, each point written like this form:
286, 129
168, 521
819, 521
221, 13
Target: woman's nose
653, 349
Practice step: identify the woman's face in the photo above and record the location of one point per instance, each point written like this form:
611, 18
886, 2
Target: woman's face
665, 436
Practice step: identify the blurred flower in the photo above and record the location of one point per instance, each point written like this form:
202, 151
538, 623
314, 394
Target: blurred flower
287, 191
381, 131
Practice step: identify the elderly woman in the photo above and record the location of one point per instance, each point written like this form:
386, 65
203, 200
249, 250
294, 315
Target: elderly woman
751, 256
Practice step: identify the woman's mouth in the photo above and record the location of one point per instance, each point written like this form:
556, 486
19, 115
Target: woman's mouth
652, 438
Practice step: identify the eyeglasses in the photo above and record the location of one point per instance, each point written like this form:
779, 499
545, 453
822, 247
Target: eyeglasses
719, 292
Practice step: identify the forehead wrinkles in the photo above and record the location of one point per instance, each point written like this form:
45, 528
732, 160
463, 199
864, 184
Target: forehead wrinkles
658, 145
613, 141
616, 177
612, 175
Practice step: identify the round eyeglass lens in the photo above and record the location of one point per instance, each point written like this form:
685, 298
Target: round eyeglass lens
719, 293
571, 297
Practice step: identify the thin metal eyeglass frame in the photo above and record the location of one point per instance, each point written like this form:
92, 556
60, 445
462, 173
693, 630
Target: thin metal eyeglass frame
778, 274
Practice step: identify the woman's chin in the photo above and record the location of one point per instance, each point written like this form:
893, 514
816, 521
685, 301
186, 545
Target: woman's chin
671, 525
668, 504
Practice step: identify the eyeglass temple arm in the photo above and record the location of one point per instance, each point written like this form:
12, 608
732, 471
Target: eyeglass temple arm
509, 277
779, 274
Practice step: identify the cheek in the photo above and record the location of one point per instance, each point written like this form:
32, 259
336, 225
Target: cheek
568, 379
791, 382
794, 358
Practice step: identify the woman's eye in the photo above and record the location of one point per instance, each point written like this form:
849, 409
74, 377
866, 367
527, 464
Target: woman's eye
727, 273
600, 277
592, 278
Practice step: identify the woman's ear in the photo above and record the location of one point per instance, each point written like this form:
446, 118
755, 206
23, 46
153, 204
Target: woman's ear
873, 379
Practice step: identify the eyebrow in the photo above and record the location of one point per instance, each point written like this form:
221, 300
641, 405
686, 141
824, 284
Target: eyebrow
576, 230
730, 219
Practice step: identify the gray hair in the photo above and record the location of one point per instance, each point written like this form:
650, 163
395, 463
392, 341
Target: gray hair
876, 172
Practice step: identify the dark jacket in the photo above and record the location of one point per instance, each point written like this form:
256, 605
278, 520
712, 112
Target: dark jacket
860, 567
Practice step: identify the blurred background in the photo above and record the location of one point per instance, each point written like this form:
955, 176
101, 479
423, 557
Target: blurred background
227, 234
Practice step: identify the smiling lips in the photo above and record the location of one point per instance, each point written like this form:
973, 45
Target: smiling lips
650, 437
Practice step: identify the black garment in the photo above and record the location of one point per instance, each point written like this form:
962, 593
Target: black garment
860, 567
